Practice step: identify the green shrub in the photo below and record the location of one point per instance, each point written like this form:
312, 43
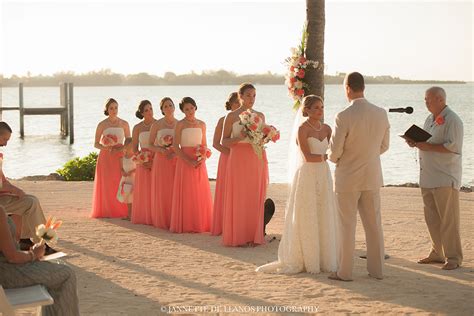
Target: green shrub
79, 169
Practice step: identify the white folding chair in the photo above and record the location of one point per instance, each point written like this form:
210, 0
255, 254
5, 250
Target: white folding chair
24, 297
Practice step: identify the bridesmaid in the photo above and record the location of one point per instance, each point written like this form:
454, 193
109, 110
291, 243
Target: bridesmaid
232, 104
164, 165
108, 168
192, 200
246, 179
141, 209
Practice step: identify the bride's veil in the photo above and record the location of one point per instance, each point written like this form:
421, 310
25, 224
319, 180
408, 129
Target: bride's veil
295, 159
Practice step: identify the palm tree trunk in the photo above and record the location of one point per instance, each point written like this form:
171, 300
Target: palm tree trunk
315, 17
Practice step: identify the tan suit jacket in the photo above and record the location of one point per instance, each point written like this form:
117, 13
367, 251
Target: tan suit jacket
361, 135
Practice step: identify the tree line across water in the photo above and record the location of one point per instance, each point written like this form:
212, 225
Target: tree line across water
106, 77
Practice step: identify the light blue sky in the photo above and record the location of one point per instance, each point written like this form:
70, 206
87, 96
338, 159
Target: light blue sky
407, 39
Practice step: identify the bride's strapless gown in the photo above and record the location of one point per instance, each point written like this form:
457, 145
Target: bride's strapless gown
308, 242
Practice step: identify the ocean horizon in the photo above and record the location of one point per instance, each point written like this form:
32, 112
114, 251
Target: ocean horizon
43, 150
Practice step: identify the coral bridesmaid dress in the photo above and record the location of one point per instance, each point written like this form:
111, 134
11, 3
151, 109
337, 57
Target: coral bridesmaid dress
162, 179
216, 227
192, 200
141, 206
245, 191
107, 179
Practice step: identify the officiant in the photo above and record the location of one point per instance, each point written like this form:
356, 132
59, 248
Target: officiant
440, 179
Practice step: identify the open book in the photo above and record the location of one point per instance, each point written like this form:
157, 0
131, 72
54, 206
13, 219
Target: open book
416, 134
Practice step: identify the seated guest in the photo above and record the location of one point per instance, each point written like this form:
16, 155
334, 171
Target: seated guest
22, 268
17, 202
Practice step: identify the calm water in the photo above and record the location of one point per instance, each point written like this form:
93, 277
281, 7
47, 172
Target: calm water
42, 150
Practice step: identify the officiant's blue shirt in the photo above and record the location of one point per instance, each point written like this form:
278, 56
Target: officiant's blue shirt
443, 169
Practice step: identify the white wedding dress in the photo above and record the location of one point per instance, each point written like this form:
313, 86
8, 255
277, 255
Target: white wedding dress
309, 237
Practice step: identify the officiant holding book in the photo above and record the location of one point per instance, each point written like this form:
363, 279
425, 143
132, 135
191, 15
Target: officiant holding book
440, 179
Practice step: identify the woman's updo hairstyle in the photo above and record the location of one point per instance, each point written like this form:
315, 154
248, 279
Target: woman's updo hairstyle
162, 102
233, 97
308, 102
245, 86
141, 108
187, 100
107, 104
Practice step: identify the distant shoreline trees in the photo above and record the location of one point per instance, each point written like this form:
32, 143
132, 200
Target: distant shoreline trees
106, 77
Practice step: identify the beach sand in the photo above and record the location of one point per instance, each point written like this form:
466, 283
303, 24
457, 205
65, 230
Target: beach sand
125, 269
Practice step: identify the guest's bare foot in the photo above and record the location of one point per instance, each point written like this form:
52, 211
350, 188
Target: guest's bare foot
334, 276
378, 278
450, 266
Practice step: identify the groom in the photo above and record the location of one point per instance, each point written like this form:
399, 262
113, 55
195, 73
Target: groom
361, 135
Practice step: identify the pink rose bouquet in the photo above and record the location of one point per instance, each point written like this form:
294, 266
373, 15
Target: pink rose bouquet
109, 140
143, 156
202, 151
257, 132
166, 141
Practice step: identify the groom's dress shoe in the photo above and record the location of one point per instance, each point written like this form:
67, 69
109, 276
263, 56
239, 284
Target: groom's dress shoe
334, 276
450, 266
429, 260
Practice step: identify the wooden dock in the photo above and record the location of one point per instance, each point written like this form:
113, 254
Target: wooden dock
65, 110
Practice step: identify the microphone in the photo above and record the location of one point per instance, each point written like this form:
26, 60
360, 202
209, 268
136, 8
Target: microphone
408, 110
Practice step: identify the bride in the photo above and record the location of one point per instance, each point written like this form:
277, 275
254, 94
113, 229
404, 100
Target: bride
308, 242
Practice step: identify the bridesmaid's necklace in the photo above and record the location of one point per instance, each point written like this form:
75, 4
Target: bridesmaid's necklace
192, 122
147, 125
167, 124
314, 127
114, 123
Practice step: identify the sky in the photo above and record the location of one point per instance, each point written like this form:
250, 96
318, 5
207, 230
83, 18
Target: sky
406, 39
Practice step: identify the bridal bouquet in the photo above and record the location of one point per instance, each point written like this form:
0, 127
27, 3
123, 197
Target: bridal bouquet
202, 151
166, 141
257, 132
270, 134
109, 140
297, 65
47, 232
143, 157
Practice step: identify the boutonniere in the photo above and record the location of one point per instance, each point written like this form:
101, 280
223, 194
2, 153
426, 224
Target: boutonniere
439, 120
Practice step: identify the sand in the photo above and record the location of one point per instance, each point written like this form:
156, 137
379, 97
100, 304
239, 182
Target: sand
126, 269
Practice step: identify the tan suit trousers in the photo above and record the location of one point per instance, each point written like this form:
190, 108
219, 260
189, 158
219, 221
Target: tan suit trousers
368, 205
441, 207
30, 210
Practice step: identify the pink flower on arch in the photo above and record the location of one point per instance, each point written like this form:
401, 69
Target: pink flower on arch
301, 73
